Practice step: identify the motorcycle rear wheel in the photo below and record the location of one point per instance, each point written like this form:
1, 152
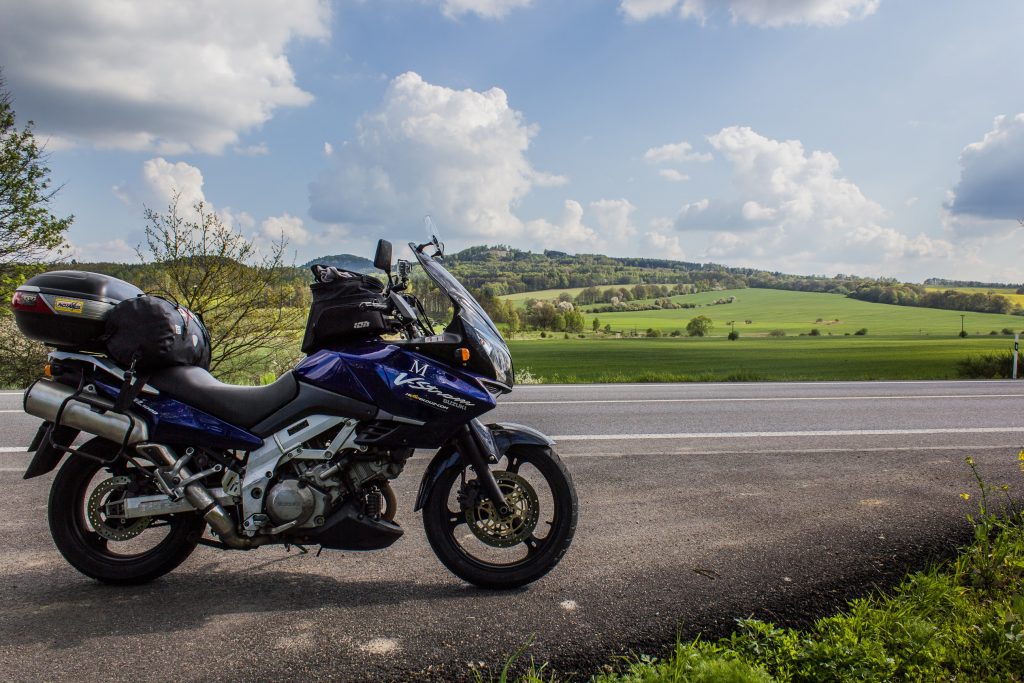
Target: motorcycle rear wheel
123, 553
491, 551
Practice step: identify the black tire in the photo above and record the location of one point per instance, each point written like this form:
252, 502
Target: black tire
95, 556
476, 562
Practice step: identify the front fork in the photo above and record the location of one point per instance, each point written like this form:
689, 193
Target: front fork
477, 446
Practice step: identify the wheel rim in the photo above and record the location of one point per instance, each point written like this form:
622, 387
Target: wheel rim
116, 539
475, 530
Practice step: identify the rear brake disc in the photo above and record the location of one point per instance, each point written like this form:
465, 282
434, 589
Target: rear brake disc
112, 528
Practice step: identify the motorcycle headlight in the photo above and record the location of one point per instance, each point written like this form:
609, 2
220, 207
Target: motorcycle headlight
500, 359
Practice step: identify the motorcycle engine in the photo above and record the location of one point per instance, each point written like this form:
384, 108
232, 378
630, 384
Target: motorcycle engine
290, 501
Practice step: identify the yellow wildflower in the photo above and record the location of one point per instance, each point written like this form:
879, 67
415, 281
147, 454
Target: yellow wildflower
965, 496
970, 460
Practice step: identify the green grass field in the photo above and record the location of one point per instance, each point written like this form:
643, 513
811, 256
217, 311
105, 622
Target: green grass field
796, 312
902, 342
762, 358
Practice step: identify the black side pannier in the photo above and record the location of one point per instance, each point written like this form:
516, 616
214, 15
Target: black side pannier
156, 333
335, 315
68, 309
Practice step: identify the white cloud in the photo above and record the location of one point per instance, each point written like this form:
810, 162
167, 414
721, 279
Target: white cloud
287, 226
258, 150
680, 151
605, 228
989, 197
459, 155
568, 234
328, 149
796, 208
672, 175
169, 76
164, 180
487, 9
110, 251
665, 246
614, 218
755, 12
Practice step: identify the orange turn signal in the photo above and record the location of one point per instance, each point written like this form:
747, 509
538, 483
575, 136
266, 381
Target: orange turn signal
48, 370
462, 355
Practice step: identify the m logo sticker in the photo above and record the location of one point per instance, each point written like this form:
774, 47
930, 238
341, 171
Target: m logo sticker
419, 368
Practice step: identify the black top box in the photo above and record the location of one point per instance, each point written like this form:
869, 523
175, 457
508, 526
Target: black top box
67, 309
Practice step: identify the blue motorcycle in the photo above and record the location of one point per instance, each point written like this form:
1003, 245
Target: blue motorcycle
308, 459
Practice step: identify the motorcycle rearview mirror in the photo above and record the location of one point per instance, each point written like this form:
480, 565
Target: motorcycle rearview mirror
382, 259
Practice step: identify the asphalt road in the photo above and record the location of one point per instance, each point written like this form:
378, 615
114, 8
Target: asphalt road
699, 504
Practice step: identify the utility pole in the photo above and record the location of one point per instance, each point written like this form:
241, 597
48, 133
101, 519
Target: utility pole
962, 316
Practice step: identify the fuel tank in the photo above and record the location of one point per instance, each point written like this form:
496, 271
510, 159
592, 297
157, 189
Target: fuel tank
428, 400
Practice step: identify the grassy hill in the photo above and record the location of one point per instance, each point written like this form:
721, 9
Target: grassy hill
901, 343
796, 312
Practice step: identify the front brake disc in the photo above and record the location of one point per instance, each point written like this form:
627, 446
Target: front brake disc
505, 531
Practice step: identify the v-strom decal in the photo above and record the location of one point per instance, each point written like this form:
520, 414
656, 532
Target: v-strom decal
416, 382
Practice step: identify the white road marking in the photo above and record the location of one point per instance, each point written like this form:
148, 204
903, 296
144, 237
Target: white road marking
14, 449
569, 605
757, 399
762, 435
806, 383
12, 411
796, 451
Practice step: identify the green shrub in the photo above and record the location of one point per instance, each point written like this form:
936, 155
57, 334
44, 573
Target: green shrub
1007, 331
734, 335
777, 333
815, 332
862, 332
986, 366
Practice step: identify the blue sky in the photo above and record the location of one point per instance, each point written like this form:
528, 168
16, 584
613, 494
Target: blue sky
809, 136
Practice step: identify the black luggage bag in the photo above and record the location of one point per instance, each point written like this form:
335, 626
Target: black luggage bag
156, 333
336, 315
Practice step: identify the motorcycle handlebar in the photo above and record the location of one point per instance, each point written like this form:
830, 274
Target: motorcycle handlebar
373, 305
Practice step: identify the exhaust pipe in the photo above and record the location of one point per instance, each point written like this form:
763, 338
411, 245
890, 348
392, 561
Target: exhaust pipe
201, 499
44, 398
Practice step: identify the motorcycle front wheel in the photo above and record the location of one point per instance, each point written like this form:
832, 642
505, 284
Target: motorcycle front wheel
112, 549
489, 550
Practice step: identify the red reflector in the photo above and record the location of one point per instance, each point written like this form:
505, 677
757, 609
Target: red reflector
29, 301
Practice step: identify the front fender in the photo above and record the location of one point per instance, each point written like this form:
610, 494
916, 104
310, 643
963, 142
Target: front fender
505, 434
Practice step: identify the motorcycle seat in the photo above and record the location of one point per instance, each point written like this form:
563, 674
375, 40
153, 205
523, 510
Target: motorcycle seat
240, 406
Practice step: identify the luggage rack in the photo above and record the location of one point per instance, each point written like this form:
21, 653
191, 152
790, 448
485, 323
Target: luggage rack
131, 387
